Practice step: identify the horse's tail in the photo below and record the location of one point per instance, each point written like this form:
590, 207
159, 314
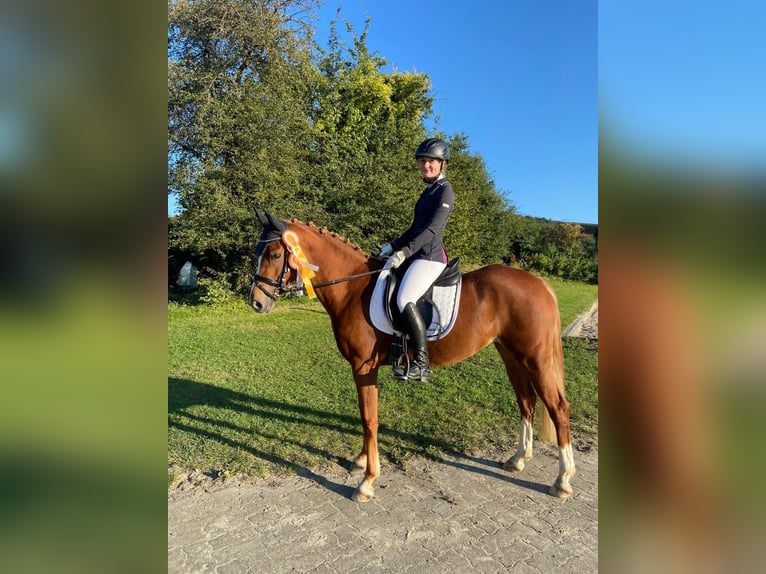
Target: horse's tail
547, 428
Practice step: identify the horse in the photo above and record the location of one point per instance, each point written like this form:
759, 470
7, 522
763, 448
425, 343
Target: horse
510, 308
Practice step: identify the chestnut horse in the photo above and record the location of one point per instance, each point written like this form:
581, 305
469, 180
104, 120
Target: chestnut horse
513, 309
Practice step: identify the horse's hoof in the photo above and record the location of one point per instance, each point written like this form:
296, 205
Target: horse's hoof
514, 464
364, 492
560, 491
360, 496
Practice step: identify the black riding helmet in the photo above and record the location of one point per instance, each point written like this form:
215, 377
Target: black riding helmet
433, 147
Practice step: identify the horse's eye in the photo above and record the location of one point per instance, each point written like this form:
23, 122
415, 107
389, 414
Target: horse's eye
276, 255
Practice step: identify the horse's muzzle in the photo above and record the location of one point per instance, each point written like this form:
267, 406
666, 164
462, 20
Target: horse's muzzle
259, 302
262, 306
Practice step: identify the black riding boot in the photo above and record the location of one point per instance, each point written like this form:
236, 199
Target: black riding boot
417, 330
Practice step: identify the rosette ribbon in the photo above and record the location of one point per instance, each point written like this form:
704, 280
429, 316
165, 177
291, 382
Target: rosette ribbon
298, 261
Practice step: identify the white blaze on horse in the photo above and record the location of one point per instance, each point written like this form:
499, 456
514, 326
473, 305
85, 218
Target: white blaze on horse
510, 308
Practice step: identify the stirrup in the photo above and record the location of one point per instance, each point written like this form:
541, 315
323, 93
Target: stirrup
400, 373
401, 366
400, 361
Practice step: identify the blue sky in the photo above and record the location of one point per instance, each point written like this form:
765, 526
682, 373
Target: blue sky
685, 82
519, 78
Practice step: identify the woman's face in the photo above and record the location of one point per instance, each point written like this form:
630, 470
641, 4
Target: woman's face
429, 167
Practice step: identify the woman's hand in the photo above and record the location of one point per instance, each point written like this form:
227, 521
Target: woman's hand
385, 251
396, 259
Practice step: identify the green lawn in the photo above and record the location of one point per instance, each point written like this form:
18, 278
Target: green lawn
252, 395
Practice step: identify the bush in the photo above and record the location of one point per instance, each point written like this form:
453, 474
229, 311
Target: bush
555, 250
215, 289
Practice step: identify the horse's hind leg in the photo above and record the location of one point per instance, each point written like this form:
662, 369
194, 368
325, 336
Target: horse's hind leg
549, 387
525, 398
546, 380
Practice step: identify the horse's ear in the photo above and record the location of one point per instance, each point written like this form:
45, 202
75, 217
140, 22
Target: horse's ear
261, 217
276, 223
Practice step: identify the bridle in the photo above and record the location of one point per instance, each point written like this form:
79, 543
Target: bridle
281, 288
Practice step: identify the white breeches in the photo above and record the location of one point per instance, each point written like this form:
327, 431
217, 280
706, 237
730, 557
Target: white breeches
416, 281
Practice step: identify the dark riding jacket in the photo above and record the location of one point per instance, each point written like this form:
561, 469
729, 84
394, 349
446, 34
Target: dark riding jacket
424, 238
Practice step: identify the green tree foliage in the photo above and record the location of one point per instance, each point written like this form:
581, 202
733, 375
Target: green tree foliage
259, 115
367, 124
239, 89
554, 248
482, 217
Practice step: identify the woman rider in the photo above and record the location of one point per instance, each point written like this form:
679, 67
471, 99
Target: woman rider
421, 245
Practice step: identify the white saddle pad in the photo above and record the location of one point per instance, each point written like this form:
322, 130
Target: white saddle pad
446, 301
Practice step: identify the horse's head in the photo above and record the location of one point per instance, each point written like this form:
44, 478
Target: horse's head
275, 274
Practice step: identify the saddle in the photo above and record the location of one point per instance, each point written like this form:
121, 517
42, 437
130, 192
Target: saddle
448, 278
438, 306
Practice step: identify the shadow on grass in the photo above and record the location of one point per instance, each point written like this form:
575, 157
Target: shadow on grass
337, 488
185, 296
185, 393
303, 309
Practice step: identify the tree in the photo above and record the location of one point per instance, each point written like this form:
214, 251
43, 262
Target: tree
367, 125
483, 218
554, 248
240, 85
258, 115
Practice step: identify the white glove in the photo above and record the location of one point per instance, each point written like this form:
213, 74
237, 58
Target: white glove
385, 251
396, 259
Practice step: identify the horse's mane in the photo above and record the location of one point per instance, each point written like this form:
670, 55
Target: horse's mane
323, 231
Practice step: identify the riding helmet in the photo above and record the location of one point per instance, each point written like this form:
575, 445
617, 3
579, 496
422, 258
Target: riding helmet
433, 147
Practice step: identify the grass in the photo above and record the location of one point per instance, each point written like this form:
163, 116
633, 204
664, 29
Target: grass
254, 395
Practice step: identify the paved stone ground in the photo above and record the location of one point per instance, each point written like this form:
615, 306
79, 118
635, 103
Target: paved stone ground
461, 514
585, 326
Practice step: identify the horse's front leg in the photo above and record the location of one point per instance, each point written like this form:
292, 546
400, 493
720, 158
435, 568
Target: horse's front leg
367, 392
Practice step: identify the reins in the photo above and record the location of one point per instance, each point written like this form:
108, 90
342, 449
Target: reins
343, 279
279, 284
